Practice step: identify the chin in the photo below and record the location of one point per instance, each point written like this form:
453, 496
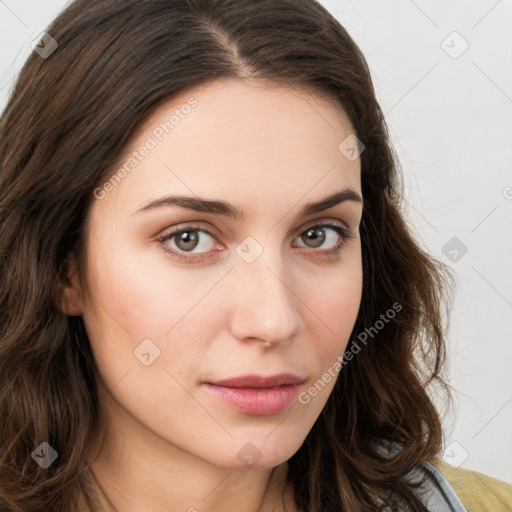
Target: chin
263, 451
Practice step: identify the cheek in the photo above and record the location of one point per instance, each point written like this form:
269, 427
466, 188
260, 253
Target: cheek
336, 304
146, 295
134, 300
336, 307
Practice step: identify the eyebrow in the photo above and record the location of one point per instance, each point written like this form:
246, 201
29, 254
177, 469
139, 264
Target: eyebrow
224, 208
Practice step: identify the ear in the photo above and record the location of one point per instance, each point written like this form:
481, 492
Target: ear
71, 297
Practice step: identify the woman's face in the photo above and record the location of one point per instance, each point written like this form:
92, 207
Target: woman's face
253, 294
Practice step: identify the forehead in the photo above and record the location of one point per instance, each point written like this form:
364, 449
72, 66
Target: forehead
237, 138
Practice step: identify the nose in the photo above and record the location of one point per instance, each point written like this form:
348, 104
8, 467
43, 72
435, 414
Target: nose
264, 303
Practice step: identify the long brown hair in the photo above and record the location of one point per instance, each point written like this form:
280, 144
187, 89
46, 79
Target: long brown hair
69, 117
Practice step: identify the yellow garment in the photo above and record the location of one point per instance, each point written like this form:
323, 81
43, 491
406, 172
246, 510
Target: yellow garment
478, 492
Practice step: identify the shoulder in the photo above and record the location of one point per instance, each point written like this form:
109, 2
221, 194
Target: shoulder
478, 492
447, 488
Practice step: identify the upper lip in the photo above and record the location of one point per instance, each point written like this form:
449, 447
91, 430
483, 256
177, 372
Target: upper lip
259, 381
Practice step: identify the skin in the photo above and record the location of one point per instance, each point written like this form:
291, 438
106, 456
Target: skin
267, 150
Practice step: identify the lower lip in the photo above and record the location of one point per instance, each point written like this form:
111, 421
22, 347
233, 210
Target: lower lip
257, 401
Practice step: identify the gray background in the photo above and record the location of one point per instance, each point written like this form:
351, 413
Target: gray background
450, 116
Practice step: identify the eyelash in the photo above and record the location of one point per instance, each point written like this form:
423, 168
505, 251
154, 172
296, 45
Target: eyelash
343, 232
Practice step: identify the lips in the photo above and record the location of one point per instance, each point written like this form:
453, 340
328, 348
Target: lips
259, 381
256, 394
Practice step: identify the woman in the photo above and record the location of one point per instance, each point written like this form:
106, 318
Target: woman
210, 298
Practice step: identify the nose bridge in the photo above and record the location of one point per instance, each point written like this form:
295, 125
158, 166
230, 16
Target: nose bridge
265, 306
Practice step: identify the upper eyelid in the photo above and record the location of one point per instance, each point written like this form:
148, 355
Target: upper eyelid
168, 233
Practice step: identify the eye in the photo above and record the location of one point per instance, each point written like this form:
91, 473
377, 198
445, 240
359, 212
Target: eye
316, 236
194, 244
186, 240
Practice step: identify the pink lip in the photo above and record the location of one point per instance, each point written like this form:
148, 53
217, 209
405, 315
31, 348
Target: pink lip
257, 395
